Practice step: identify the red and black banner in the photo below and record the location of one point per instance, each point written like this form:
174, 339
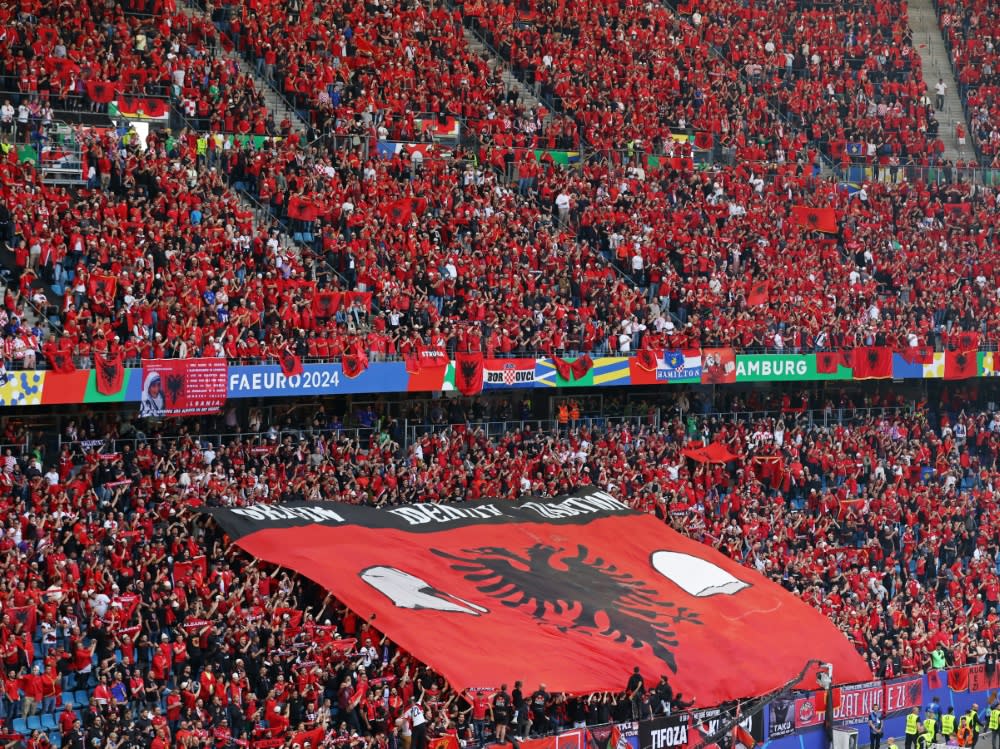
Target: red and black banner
183, 387
553, 591
902, 694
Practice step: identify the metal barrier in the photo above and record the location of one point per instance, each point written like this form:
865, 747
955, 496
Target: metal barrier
268, 438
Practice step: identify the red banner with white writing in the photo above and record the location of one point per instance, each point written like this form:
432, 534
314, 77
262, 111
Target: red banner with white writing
548, 583
183, 387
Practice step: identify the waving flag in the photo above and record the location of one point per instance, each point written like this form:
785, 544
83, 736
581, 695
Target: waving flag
469, 372
960, 365
548, 584
109, 373
759, 293
401, 211
872, 363
816, 219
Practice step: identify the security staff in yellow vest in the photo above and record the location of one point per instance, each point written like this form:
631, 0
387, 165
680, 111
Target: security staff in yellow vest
973, 719
994, 726
912, 728
930, 725
926, 739
948, 724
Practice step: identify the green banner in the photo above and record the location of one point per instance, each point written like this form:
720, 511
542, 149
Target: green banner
784, 368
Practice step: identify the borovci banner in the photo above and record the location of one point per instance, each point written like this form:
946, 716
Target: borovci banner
508, 373
573, 614
182, 387
667, 732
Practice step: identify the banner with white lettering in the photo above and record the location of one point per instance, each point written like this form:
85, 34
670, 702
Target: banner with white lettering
574, 591
667, 732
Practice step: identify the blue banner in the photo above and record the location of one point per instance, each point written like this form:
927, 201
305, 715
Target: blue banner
316, 379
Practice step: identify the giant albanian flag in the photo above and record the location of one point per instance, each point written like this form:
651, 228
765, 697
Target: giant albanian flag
574, 592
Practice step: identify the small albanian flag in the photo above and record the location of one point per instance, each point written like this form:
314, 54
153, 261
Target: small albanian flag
354, 362
827, 362
647, 359
967, 341
290, 362
960, 365
958, 679
918, 354
562, 366
872, 363
580, 366
102, 284
759, 294
815, 219
100, 92
326, 303
109, 373
401, 211
61, 361
469, 372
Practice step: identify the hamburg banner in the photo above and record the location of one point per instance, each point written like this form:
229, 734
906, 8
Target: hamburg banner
549, 585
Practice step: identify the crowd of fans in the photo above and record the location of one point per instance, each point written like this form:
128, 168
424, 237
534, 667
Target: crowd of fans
158, 256
127, 618
490, 245
970, 35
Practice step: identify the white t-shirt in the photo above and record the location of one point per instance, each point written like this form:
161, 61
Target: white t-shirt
416, 716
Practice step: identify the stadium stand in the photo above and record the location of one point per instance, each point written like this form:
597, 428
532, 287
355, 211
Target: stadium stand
698, 208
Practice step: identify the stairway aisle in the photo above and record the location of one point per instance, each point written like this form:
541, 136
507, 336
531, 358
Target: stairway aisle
929, 42
274, 102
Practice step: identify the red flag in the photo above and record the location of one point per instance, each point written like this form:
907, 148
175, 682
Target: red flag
742, 737
432, 356
918, 354
647, 359
61, 361
827, 362
759, 294
102, 284
302, 209
290, 362
469, 372
872, 363
400, 211
816, 219
363, 46
354, 362
934, 680
966, 341
580, 366
960, 365
703, 140
326, 303
562, 366
691, 610
109, 372
100, 92
958, 679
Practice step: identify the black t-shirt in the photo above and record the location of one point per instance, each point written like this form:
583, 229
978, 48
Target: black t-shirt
518, 699
635, 683
501, 702
538, 700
